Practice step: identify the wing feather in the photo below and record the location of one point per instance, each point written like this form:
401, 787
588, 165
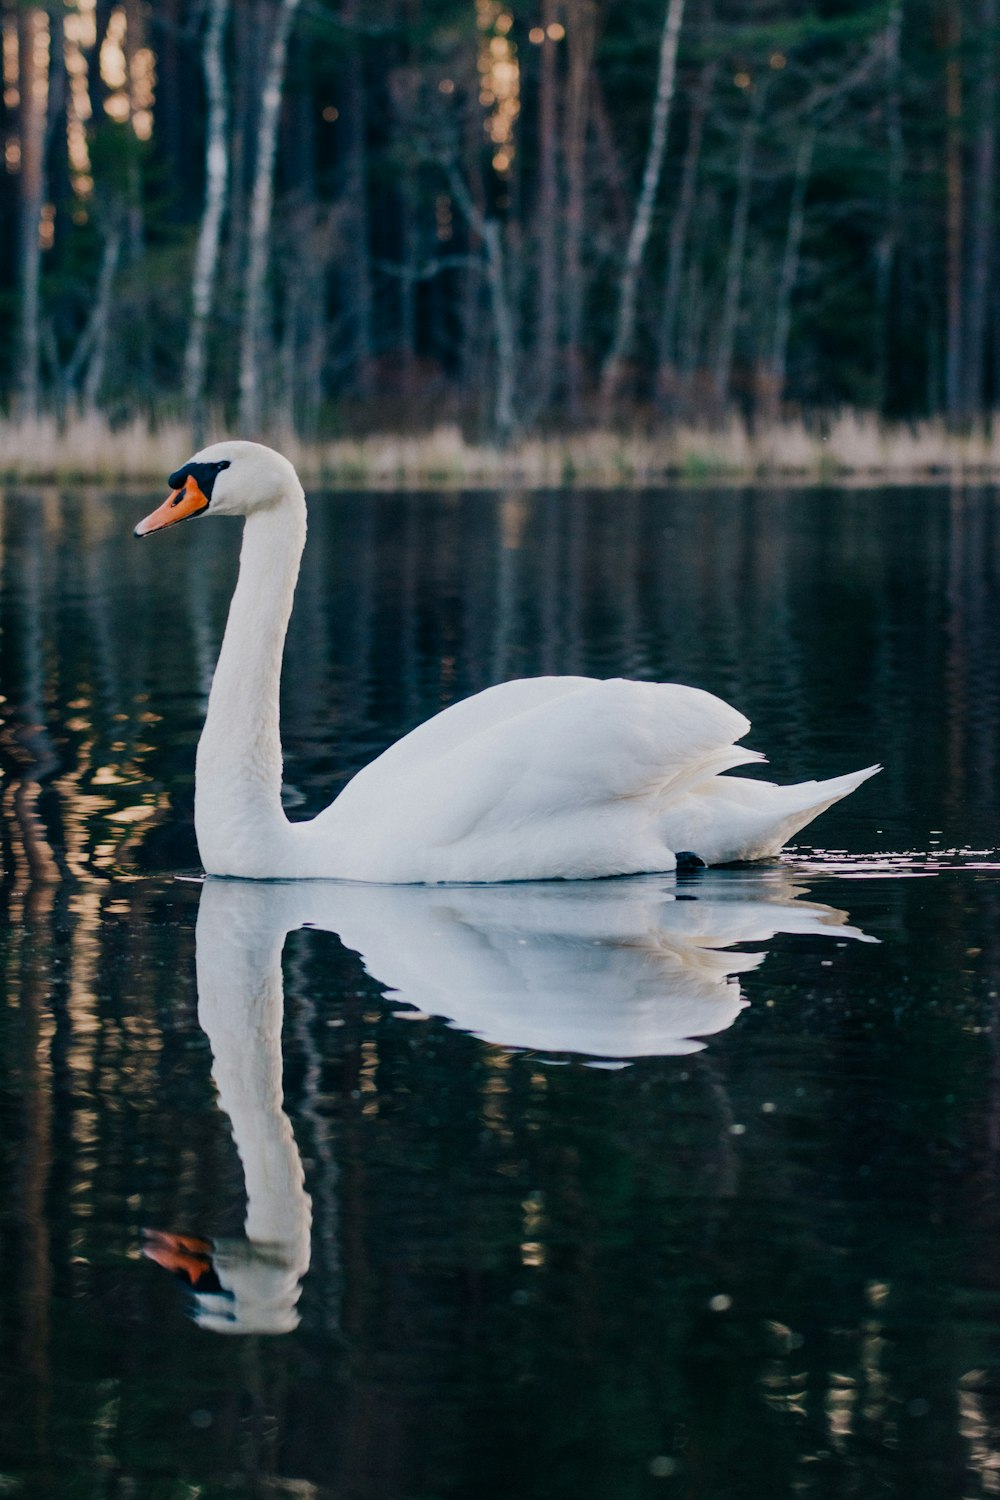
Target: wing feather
539, 748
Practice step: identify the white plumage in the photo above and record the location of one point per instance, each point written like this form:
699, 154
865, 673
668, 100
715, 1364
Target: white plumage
542, 778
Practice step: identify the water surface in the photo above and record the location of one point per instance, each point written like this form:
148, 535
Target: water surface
635, 1188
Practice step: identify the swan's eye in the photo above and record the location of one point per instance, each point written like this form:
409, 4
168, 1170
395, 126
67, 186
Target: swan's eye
204, 476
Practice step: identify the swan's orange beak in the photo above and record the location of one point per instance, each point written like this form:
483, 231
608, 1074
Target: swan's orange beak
184, 1255
178, 505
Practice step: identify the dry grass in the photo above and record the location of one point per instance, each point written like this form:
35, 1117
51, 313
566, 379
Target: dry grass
848, 445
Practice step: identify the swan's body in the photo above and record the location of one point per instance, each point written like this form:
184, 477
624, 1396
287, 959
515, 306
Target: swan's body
548, 777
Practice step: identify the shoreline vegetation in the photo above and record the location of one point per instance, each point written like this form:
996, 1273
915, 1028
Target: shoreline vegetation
846, 447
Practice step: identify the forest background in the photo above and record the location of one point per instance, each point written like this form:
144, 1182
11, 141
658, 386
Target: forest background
656, 235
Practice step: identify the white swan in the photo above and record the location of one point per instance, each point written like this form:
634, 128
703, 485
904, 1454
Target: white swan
536, 779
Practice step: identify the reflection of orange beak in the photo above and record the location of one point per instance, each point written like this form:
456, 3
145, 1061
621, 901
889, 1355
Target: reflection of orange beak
178, 505
184, 1255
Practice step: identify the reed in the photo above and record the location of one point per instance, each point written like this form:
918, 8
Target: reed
847, 445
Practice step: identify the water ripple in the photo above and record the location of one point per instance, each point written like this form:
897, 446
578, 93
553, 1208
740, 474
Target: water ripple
904, 864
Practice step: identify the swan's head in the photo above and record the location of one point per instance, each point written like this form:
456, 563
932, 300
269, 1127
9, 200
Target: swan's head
227, 479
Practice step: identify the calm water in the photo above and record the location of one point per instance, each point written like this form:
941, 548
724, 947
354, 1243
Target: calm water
630, 1189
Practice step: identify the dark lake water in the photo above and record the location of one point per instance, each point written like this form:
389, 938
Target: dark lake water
656, 1187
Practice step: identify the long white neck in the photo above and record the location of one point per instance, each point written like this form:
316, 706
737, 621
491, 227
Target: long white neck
239, 821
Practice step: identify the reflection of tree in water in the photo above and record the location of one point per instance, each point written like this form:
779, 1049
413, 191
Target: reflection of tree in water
528, 1253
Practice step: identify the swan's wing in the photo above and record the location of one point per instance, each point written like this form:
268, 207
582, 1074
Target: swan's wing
534, 751
461, 722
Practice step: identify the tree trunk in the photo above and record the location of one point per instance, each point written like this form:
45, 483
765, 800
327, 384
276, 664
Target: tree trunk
666, 376
981, 249
405, 93
581, 36
548, 217
955, 213
774, 384
625, 324
888, 242
489, 231
33, 68
737, 247
354, 139
408, 287
100, 318
216, 183
58, 186
249, 25
261, 207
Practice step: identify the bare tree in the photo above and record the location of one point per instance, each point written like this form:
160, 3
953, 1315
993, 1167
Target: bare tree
100, 319
666, 376
955, 211
774, 374
354, 141
737, 247
581, 36
628, 287
261, 208
490, 233
547, 214
33, 89
216, 186
982, 213
887, 246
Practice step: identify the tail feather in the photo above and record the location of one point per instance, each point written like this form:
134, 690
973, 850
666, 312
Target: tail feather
801, 803
835, 787
729, 819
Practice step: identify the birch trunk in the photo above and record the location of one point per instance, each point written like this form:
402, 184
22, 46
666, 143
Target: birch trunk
354, 138
216, 185
408, 288
473, 342
33, 68
888, 242
88, 340
100, 318
981, 250
774, 382
955, 215
249, 24
628, 289
737, 248
581, 36
607, 169
261, 208
666, 376
548, 217
488, 230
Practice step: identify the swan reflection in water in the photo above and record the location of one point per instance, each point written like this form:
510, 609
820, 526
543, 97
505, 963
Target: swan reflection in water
612, 969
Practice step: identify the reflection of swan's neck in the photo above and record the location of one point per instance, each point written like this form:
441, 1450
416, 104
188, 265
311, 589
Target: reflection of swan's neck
238, 814
240, 1004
